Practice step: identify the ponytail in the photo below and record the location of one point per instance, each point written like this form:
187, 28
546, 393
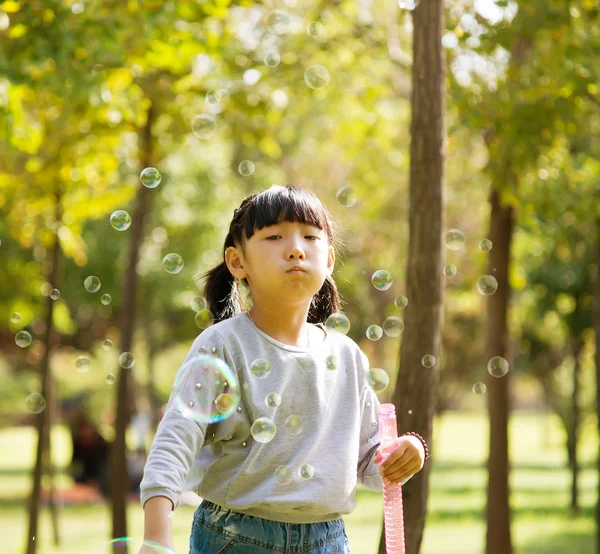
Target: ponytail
221, 292
326, 302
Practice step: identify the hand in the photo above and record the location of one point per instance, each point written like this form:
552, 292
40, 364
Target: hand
406, 459
150, 547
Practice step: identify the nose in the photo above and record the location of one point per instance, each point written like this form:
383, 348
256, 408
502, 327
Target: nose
295, 249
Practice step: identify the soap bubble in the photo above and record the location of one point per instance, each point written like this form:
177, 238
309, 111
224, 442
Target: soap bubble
150, 177
479, 388
260, 368
110, 378
263, 430
487, 285
120, 220
455, 239
199, 303
382, 279
294, 425
133, 546
283, 475
400, 301
204, 319
208, 389
106, 299
393, 326
107, 344
23, 339
92, 283
55, 294
306, 471
272, 59
428, 360
213, 96
346, 197
272, 400
246, 168
173, 263
82, 364
16, 317
450, 270
498, 366
35, 403
126, 360
485, 245
338, 322
331, 362
203, 126
377, 379
278, 22
315, 29
316, 76
374, 332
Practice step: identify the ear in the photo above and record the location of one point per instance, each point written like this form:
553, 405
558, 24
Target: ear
235, 262
330, 261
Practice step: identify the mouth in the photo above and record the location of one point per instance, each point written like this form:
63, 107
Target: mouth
296, 270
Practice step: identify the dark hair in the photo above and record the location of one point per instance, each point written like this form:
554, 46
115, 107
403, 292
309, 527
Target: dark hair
291, 203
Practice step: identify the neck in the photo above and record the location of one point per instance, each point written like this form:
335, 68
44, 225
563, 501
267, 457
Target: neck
292, 329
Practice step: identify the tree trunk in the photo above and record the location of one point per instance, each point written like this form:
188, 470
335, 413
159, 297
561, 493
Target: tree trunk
575, 421
43, 419
153, 400
597, 362
416, 387
498, 539
47, 458
119, 476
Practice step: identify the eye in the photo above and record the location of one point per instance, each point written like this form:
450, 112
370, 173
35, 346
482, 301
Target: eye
311, 236
272, 237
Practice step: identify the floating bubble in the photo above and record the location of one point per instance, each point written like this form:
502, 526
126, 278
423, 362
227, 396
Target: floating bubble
120, 220
316, 76
331, 362
260, 368
173, 263
110, 378
428, 360
35, 403
203, 126
306, 471
150, 177
272, 59
204, 319
213, 96
92, 283
393, 326
401, 301
374, 332
246, 168
315, 29
199, 303
485, 245
263, 430
487, 285
455, 239
107, 344
23, 339
382, 279
346, 197
283, 475
82, 364
133, 546
16, 317
450, 270
273, 400
55, 294
338, 322
209, 389
278, 22
106, 299
377, 379
294, 425
408, 4
126, 360
497, 366
479, 388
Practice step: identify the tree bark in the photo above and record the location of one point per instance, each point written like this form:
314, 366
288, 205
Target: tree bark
43, 419
119, 475
574, 424
597, 362
498, 538
416, 387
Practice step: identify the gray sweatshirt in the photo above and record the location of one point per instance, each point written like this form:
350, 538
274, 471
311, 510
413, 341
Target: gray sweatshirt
222, 462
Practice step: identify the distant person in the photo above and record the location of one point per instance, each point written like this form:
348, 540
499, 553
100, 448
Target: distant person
266, 489
90, 461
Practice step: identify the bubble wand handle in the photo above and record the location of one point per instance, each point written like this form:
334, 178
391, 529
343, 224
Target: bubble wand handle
392, 494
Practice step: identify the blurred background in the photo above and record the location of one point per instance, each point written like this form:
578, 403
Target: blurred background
129, 131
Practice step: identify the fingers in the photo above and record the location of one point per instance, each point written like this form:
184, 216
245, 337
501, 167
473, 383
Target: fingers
399, 475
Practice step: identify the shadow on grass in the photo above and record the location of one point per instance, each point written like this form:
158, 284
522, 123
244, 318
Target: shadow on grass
576, 542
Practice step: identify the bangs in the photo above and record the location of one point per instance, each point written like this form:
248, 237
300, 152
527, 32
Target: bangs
290, 204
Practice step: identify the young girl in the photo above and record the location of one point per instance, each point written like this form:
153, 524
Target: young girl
282, 484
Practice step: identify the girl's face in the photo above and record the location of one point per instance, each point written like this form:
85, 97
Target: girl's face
271, 253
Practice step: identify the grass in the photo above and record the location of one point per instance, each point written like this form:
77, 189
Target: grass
541, 523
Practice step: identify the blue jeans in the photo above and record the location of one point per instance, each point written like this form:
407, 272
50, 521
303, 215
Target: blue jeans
217, 530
